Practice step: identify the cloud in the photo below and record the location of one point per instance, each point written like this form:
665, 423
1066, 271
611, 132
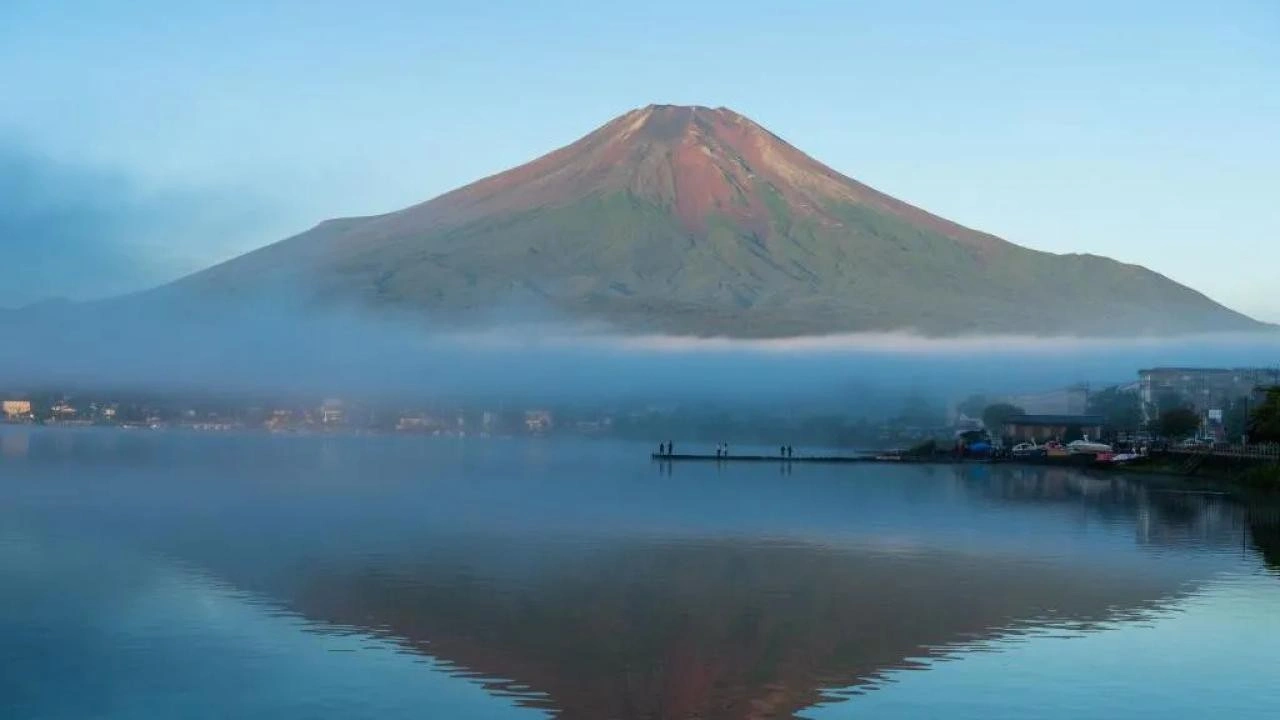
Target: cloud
282, 345
76, 232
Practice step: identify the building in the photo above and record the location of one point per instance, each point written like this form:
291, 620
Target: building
537, 421
331, 412
1072, 400
63, 410
1041, 428
417, 422
1208, 390
280, 419
17, 409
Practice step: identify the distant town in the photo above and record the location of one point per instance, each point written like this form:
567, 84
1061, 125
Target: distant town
1213, 405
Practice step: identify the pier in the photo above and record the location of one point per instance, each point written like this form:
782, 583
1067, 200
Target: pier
809, 459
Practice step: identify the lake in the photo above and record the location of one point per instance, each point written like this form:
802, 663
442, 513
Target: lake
161, 574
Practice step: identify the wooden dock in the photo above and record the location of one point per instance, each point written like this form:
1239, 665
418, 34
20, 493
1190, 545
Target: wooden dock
808, 459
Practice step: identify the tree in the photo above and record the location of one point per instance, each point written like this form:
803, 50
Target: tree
919, 412
1170, 400
995, 416
1264, 422
1179, 422
1073, 433
1235, 419
1120, 409
972, 406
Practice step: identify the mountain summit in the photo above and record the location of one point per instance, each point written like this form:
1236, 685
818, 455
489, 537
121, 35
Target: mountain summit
695, 220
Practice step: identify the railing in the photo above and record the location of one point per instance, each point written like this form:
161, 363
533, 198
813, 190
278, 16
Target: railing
1268, 451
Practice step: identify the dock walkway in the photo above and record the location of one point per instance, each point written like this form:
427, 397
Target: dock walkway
811, 459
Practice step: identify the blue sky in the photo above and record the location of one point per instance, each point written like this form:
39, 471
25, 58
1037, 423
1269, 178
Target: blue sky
142, 140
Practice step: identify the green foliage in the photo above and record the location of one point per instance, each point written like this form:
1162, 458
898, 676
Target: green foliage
919, 412
928, 448
973, 406
1170, 401
1073, 433
779, 211
1122, 410
995, 416
1264, 423
1235, 419
1179, 422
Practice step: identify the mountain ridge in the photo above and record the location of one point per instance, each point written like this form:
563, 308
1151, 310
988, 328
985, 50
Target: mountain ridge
697, 220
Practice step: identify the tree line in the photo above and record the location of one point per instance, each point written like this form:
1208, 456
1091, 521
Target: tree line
1172, 415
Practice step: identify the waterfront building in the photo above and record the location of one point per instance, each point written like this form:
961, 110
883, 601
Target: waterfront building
1041, 428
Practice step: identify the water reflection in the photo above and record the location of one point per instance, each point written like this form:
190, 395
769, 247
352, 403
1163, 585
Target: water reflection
593, 592
717, 630
14, 443
1264, 529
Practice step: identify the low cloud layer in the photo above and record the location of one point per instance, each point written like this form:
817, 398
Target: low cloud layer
272, 345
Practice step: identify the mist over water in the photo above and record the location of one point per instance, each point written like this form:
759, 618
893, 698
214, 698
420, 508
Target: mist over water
206, 575
160, 342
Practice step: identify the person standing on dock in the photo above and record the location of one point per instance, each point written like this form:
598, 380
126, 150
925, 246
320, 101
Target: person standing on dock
670, 449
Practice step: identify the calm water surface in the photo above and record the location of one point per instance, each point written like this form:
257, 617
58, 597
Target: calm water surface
150, 575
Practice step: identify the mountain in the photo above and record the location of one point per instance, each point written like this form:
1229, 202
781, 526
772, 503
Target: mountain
694, 220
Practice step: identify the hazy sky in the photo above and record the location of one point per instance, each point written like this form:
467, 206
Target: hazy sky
141, 140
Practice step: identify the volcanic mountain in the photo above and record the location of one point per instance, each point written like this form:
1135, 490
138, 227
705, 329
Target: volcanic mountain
693, 220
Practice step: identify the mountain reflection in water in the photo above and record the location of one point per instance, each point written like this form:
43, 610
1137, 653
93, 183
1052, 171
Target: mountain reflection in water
718, 630
584, 582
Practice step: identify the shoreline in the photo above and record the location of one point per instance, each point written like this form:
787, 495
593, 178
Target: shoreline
1231, 472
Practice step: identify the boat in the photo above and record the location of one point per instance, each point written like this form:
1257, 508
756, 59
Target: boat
1087, 447
1055, 449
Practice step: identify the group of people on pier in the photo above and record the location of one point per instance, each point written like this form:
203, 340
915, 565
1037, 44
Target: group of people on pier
722, 450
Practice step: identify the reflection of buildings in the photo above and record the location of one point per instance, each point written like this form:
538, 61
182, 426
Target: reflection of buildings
1264, 529
1160, 518
14, 445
